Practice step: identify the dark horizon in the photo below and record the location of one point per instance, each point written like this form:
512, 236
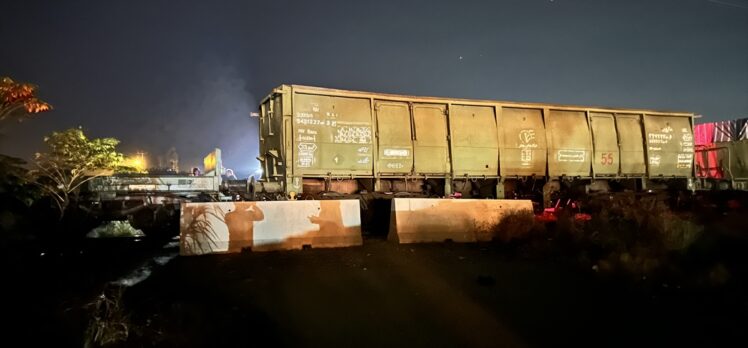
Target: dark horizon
157, 75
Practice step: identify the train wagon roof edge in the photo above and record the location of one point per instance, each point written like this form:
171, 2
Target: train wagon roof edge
345, 92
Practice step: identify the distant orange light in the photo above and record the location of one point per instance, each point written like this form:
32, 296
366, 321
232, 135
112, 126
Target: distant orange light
137, 162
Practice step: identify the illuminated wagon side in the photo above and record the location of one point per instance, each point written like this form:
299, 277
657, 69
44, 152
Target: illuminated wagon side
315, 141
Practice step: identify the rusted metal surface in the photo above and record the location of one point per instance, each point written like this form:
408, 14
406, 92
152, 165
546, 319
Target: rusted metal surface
402, 185
670, 145
336, 185
230, 227
419, 220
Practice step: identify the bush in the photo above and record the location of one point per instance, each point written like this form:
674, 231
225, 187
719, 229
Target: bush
115, 229
629, 234
515, 225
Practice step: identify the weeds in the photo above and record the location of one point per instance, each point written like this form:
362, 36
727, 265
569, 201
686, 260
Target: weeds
515, 225
635, 236
197, 233
109, 324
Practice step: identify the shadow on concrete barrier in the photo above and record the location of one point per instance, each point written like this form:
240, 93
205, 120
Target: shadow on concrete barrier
421, 220
229, 227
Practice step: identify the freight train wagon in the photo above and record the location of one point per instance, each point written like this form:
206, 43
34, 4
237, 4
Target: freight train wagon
317, 140
721, 155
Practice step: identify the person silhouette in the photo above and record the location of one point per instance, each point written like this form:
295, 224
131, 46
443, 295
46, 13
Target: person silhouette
330, 220
240, 223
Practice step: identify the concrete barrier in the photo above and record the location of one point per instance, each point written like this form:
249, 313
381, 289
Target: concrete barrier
418, 220
227, 227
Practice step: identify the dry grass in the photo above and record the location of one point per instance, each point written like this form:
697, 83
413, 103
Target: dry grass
516, 225
108, 324
633, 235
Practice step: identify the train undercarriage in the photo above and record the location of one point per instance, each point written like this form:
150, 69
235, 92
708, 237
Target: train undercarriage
152, 203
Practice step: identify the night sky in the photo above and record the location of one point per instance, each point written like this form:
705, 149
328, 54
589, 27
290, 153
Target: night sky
157, 74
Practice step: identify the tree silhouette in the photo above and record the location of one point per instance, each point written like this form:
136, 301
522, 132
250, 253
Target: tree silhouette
19, 100
72, 160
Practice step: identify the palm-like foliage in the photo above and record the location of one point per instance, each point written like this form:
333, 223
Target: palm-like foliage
197, 233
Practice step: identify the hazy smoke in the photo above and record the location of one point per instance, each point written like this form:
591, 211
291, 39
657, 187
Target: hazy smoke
211, 112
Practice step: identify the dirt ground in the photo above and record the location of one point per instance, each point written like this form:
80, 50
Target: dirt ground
384, 294
521, 294
445, 295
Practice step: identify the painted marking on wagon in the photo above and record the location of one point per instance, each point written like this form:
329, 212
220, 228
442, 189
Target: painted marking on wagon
659, 138
527, 142
352, 135
685, 158
396, 152
570, 155
527, 136
306, 154
353, 123
316, 122
305, 161
525, 157
654, 160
